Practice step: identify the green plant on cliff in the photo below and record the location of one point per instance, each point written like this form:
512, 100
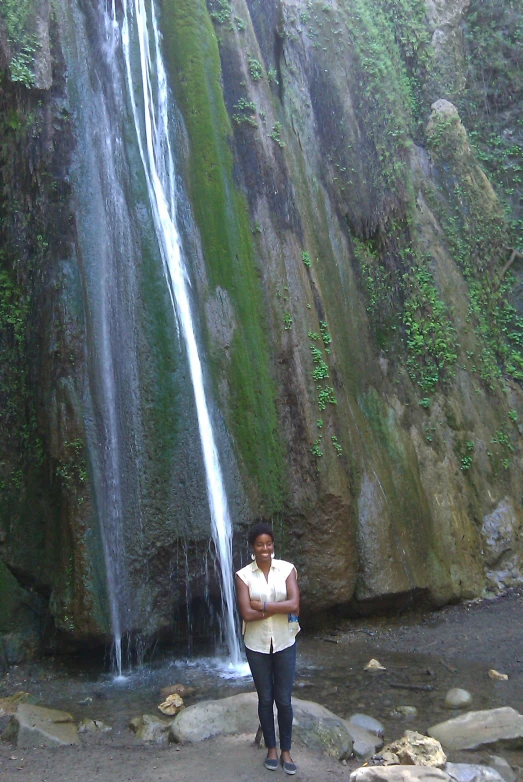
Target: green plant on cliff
490, 103
17, 416
409, 305
17, 16
316, 448
219, 10
306, 258
245, 112
275, 134
384, 95
477, 233
326, 396
430, 335
255, 68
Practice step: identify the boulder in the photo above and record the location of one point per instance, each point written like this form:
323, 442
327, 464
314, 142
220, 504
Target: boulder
314, 725
414, 749
364, 743
226, 716
151, 728
457, 699
10, 704
33, 726
503, 768
323, 734
476, 728
399, 774
468, 772
367, 723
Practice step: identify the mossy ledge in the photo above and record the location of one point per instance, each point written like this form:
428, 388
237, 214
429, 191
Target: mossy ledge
222, 217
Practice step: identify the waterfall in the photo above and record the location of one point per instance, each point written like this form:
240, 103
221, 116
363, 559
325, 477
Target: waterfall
146, 77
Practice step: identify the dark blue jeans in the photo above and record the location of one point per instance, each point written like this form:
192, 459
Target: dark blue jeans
273, 676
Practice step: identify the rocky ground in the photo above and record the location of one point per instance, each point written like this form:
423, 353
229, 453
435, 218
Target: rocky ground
450, 648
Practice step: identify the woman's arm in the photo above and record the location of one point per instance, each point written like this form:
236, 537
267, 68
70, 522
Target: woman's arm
289, 606
247, 611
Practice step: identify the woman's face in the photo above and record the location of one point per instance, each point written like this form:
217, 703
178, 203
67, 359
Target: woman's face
263, 548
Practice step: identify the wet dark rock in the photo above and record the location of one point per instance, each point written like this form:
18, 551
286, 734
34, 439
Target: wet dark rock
414, 501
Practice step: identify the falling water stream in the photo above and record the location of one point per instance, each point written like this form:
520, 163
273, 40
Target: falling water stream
140, 41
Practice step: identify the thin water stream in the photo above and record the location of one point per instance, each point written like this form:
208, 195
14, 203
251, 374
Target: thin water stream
149, 98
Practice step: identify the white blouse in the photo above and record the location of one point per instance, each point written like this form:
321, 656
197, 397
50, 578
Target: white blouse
276, 630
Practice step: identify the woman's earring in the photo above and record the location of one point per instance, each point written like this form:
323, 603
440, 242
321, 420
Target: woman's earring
253, 556
272, 555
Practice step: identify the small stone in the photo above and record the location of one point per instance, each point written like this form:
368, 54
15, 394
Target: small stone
93, 726
457, 699
374, 665
176, 689
497, 676
406, 711
172, 705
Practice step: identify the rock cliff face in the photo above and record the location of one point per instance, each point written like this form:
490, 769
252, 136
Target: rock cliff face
356, 309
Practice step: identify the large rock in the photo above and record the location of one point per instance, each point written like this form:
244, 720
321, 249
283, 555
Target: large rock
222, 717
476, 728
10, 704
399, 774
34, 726
469, 772
314, 725
503, 768
414, 749
364, 742
369, 724
151, 728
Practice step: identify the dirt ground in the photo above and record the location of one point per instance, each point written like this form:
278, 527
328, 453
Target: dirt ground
457, 644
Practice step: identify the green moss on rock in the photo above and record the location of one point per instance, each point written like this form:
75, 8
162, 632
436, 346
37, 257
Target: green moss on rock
223, 221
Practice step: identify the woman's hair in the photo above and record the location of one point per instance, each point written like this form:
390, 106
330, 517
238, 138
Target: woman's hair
262, 528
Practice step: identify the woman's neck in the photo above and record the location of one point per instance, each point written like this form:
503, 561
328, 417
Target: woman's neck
264, 566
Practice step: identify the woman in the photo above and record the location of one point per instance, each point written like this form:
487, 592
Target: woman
269, 602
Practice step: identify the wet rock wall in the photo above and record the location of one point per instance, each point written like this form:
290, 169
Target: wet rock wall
362, 340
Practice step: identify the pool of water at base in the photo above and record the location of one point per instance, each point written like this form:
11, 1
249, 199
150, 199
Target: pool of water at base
329, 671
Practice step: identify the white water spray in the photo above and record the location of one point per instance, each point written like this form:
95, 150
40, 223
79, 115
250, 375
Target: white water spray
151, 121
